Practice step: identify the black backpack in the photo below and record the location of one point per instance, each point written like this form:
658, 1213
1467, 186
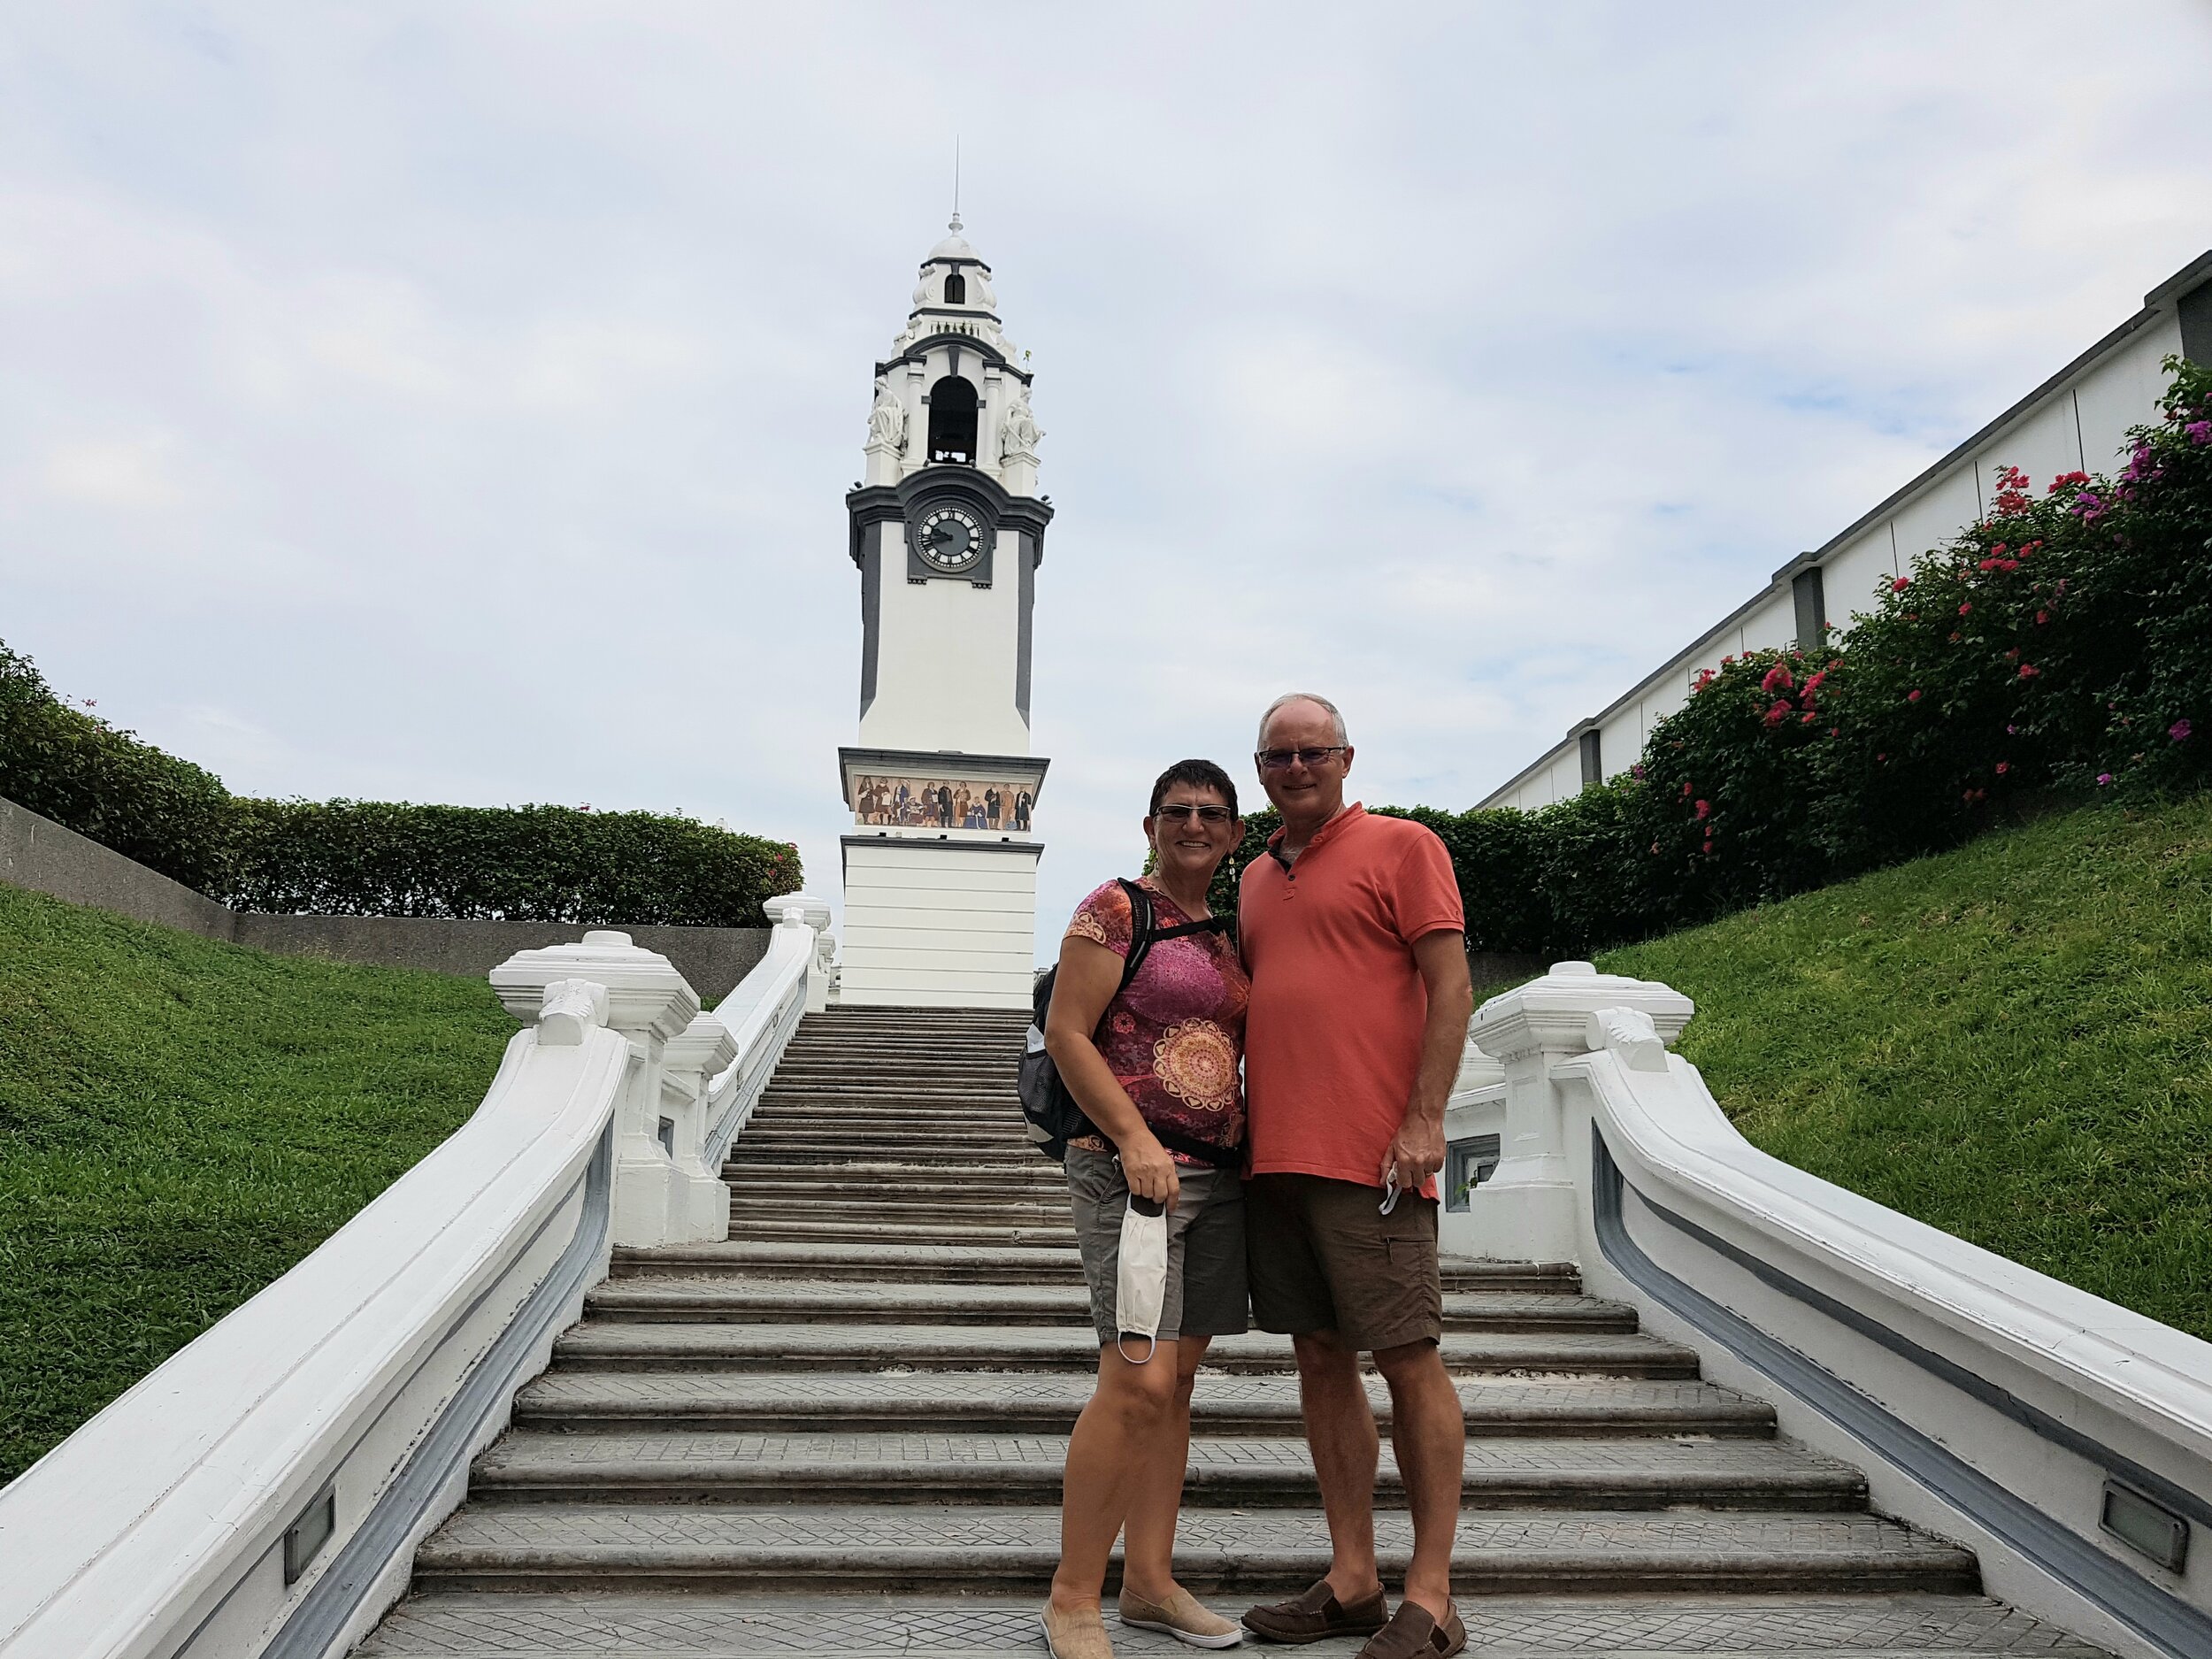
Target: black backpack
1049, 1110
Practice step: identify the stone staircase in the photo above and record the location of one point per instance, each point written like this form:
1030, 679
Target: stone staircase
842, 1431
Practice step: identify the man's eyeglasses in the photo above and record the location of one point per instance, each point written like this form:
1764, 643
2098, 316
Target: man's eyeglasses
1179, 814
1279, 759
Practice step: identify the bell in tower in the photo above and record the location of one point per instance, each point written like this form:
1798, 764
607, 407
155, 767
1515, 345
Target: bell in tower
947, 531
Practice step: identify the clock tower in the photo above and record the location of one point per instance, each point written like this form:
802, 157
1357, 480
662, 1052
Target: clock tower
948, 532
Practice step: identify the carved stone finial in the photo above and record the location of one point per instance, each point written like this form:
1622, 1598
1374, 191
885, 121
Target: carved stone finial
569, 1010
1630, 1033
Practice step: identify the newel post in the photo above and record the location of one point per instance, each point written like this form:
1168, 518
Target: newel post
646, 1003
803, 910
1529, 1208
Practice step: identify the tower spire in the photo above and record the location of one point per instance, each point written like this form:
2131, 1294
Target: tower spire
955, 225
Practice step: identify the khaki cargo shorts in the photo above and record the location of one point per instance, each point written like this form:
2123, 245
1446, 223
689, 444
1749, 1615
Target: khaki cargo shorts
1324, 1258
1205, 1247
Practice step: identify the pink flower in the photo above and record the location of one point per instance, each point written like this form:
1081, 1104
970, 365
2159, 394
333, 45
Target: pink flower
1778, 675
1965, 609
2198, 430
1901, 584
1704, 809
1912, 696
2042, 617
1709, 846
2003, 766
2180, 730
2103, 778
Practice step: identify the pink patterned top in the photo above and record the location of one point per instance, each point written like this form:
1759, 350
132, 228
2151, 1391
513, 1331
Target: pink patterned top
1175, 1038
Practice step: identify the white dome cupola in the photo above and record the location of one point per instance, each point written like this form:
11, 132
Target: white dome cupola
955, 282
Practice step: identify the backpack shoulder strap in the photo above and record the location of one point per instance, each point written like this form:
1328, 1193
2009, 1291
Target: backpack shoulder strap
1140, 931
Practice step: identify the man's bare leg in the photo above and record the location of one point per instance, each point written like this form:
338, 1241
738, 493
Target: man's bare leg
1428, 1434
1340, 1434
1156, 1497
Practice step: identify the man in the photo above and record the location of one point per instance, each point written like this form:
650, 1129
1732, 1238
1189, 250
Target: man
1355, 938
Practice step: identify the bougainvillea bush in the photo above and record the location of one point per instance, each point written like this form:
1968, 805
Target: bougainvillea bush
2059, 648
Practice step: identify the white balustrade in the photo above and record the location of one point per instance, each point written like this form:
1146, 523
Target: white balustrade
2068, 1440
262, 1491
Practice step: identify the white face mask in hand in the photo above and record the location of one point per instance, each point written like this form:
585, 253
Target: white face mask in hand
1141, 1285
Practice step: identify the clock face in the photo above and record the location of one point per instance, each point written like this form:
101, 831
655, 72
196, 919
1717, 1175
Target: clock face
949, 539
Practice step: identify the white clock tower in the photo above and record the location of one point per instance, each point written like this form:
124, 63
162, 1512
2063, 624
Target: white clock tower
948, 531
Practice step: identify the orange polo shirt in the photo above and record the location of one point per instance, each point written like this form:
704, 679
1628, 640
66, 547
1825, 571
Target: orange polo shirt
1333, 1041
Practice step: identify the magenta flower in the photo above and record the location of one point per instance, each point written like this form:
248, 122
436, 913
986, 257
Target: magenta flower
2198, 430
2103, 778
2180, 730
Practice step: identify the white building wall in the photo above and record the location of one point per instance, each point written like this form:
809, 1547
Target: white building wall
946, 662
937, 924
2080, 420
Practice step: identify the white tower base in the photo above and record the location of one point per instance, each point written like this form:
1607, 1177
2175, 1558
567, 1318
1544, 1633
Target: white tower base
933, 922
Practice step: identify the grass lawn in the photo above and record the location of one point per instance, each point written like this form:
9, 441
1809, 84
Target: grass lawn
2012, 1042
181, 1121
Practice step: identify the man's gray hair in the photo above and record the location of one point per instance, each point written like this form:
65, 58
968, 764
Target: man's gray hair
1314, 698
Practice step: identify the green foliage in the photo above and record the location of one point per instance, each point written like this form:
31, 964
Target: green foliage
181, 1121
2011, 1042
543, 864
547, 863
69, 765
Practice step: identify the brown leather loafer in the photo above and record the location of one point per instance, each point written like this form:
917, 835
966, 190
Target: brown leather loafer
1316, 1614
1412, 1634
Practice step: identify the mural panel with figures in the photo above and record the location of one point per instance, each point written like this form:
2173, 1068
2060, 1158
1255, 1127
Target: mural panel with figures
893, 802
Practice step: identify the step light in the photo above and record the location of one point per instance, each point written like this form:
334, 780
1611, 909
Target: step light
2145, 1525
305, 1539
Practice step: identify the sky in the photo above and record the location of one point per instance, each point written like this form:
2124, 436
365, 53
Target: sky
456, 403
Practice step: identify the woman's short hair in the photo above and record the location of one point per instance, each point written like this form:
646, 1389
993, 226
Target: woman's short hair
1199, 774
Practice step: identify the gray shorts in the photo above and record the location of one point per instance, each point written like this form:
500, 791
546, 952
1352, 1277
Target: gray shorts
1205, 1247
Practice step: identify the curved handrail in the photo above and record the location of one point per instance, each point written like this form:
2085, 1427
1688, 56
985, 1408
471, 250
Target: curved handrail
761, 1014
128, 1537
1673, 1137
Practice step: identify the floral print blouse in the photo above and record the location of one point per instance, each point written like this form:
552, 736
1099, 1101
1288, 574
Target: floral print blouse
1174, 1040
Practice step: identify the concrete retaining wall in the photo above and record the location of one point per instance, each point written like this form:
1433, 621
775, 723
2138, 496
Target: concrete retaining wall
39, 854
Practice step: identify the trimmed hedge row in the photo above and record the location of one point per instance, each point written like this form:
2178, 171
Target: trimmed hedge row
2059, 648
539, 863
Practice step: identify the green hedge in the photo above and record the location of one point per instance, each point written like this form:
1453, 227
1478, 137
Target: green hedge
69, 765
541, 863
531, 864
2060, 648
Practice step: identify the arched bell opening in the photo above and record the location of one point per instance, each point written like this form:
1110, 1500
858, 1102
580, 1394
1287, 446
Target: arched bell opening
955, 289
952, 407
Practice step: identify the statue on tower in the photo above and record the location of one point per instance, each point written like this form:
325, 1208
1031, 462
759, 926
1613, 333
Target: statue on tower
887, 421
1018, 434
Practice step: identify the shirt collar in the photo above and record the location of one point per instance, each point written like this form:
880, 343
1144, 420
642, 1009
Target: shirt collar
1275, 842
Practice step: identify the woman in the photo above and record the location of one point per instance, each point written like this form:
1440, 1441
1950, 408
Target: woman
1158, 1061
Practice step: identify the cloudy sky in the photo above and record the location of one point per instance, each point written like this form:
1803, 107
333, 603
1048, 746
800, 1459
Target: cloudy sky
456, 403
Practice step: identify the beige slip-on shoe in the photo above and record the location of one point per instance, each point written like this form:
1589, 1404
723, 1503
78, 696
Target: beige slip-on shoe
1181, 1615
1075, 1635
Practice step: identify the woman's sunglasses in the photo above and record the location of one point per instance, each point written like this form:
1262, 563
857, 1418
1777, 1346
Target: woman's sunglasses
1184, 814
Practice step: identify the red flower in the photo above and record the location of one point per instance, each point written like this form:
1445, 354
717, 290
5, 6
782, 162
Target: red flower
2003, 766
1685, 790
2042, 617
1778, 675
1810, 718
1964, 609
1901, 584
1704, 809
2029, 671
1709, 846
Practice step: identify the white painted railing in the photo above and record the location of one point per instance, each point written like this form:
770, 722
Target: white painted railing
2065, 1438
262, 1491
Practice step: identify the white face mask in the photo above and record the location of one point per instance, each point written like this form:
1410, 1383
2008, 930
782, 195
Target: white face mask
1141, 1284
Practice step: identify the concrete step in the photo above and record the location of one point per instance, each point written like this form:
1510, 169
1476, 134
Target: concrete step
690, 1465
622, 1345
940, 1264
1250, 1407
873, 1203
745, 1227
888, 1167
873, 1264
712, 1624
908, 1548
731, 1297
964, 1190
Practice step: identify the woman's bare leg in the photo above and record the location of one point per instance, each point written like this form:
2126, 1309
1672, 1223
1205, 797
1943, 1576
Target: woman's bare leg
1111, 1454
1156, 1496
